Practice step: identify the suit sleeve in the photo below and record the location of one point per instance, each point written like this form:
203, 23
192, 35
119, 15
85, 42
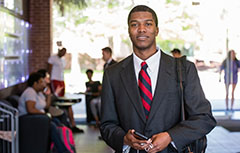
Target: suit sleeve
199, 120
110, 130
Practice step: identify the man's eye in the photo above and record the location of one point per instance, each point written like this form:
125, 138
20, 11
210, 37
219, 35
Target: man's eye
148, 24
133, 25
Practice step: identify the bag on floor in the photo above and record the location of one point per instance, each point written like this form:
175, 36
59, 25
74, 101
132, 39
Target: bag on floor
67, 138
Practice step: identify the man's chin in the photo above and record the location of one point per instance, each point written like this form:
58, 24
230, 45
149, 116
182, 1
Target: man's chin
142, 47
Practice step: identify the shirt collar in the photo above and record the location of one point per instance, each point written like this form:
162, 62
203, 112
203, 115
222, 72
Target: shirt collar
109, 60
151, 61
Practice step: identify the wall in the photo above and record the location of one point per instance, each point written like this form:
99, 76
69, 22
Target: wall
40, 17
13, 90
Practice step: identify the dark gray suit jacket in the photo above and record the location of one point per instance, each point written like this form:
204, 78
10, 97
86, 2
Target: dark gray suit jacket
106, 65
122, 107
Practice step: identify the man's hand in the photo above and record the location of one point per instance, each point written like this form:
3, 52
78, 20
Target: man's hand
58, 90
160, 141
132, 141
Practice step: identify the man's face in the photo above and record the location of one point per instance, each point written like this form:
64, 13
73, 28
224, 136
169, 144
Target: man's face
176, 55
142, 30
106, 56
47, 78
61, 53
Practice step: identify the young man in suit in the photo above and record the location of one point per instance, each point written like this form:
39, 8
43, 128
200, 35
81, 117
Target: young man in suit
140, 94
107, 57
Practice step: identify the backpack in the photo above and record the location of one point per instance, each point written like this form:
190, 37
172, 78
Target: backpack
66, 137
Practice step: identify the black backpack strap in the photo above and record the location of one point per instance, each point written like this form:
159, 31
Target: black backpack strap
181, 69
200, 144
181, 79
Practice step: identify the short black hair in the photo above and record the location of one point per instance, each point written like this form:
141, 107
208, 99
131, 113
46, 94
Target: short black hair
89, 71
63, 49
175, 50
143, 8
43, 72
34, 77
107, 49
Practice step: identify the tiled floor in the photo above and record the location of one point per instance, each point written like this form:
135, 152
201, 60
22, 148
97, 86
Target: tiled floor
89, 142
220, 140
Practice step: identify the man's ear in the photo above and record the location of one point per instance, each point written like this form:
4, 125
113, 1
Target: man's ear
157, 30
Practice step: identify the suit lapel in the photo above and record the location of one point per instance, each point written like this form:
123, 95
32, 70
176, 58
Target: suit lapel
164, 73
130, 83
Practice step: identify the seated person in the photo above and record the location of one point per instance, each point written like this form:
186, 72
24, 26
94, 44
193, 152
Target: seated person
94, 89
46, 77
33, 101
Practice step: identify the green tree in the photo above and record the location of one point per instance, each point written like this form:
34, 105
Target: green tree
63, 3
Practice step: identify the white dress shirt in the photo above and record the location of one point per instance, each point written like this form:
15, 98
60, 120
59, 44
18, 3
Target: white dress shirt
153, 63
153, 67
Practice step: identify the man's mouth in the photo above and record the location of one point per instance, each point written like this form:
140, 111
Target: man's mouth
142, 37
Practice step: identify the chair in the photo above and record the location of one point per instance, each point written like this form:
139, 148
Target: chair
34, 136
9, 132
34, 130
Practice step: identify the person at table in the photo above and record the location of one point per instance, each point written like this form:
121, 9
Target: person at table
34, 101
93, 98
46, 77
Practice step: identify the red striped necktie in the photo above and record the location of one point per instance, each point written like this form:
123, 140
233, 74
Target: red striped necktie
145, 88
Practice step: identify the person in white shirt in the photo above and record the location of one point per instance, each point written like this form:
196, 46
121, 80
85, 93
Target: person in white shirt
45, 75
33, 101
56, 70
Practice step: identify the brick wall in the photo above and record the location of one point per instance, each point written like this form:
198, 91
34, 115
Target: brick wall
40, 16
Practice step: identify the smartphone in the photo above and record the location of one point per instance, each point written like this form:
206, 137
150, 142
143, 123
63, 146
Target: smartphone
140, 136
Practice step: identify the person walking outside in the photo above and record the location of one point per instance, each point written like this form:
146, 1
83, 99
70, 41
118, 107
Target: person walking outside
230, 67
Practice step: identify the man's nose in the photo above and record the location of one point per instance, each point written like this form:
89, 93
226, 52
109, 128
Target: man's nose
141, 28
